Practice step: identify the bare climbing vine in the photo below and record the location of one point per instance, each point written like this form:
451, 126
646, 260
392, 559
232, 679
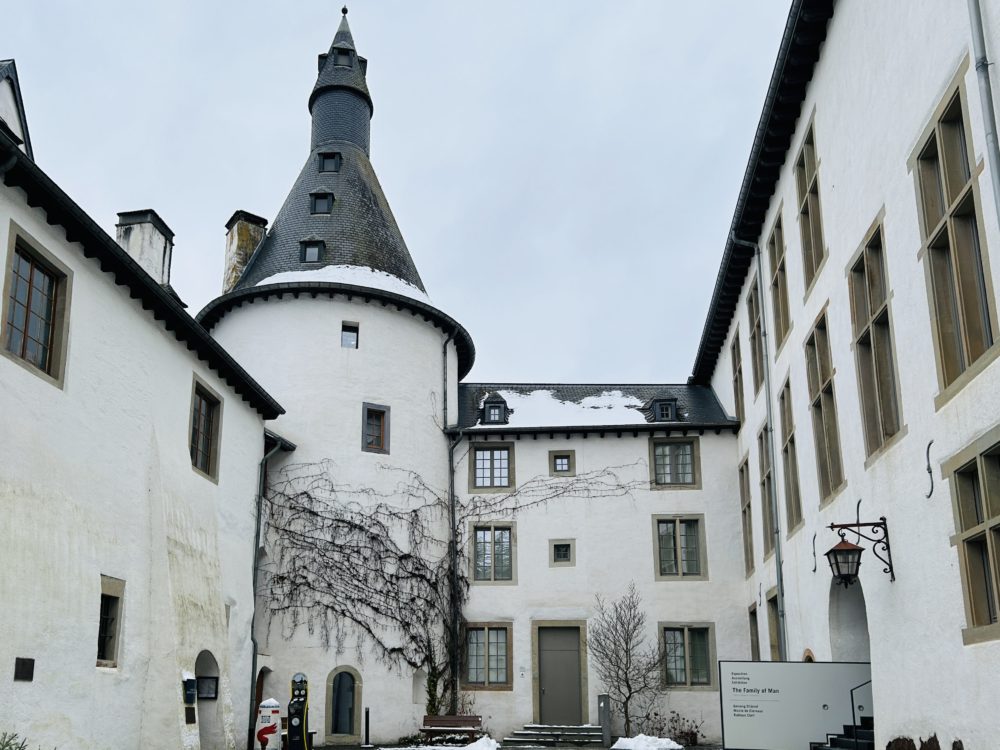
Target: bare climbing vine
372, 566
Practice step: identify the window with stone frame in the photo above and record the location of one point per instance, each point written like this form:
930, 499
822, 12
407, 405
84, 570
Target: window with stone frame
961, 301
35, 320
873, 345
493, 552
754, 634
674, 462
746, 515
680, 547
375, 428
737, 363
810, 223
205, 418
491, 467
975, 488
789, 460
688, 655
766, 486
773, 627
823, 404
756, 336
779, 284
487, 657
562, 463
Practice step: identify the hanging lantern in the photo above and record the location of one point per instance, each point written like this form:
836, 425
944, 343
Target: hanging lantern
845, 559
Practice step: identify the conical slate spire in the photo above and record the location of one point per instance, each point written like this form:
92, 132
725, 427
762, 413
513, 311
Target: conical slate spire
336, 204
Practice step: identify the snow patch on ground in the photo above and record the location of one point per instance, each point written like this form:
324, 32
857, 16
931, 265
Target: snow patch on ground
645, 742
357, 275
542, 409
483, 743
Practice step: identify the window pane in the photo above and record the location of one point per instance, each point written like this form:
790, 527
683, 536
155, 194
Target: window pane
502, 564
498, 656
375, 429
483, 561
675, 658
674, 463
700, 667
690, 552
561, 553
501, 468
982, 595
476, 656
668, 548
484, 477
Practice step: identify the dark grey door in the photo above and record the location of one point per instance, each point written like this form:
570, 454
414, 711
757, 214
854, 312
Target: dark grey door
559, 676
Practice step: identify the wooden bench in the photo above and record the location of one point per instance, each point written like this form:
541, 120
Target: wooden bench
470, 726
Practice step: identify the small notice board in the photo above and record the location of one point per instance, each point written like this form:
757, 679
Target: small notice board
780, 705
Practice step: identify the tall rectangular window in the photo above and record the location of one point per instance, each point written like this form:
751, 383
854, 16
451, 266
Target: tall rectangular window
963, 312
35, 312
789, 461
810, 224
779, 283
766, 479
674, 462
109, 621
493, 552
204, 431
819, 374
688, 655
487, 656
773, 628
375, 428
349, 335
679, 547
737, 377
492, 467
754, 635
756, 336
746, 515
873, 350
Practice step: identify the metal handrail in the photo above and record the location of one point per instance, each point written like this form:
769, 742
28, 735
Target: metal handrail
854, 718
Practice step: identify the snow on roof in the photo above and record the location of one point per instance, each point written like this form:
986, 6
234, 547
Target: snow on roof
541, 408
356, 275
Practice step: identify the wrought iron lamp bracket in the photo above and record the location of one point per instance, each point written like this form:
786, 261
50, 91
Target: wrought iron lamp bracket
877, 534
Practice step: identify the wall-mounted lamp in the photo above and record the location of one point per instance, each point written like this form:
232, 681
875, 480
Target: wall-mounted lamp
845, 558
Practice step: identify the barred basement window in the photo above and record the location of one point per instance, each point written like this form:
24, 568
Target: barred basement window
746, 514
756, 337
779, 284
962, 306
819, 374
789, 461
810, 224
493, 552
737, 377
873, 345
375, 428
680, 547
688, 654
488, 656
767, 510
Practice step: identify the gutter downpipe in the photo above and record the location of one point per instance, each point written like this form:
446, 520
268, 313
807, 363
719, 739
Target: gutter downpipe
773, 499
453, 441
986, 97
261, 471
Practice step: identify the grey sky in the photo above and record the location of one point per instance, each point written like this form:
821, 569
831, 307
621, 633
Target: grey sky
564, 172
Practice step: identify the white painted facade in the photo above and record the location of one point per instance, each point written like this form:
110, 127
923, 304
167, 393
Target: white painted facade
97, 481
883, 72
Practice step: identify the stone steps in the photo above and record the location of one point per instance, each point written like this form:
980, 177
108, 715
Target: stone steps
545, 735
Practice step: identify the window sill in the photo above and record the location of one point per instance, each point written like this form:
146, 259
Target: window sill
512, 582
105, 665
504, 687
679, 579
980, 634
489, 490
209, 477
795, 529
834, 494
660, 487
692, 688
819, 271
50, 379
784, 340
886, 447
968, 375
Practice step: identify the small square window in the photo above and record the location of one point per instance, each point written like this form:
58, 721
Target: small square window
312, 252
321, 203
375, 428
342, 57
349, 335
663, 411
208, 688
562, 553
493, 413
562, 463
24, 669
204, 431
329, 162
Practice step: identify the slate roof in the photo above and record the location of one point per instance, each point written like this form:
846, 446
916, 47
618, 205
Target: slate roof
8, 72
805, 31
360, 230
697, 406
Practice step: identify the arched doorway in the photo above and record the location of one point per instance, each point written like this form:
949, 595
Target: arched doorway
343, 706
210, 727
849, 639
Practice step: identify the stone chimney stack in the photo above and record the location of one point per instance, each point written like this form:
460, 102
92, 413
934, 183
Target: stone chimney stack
148, 239
244, 231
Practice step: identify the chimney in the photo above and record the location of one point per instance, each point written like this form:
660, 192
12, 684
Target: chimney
244, 231
148, 239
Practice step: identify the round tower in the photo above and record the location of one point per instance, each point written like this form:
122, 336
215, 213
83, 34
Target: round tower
330, 315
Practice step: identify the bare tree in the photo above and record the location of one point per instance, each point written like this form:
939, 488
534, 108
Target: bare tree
630, 668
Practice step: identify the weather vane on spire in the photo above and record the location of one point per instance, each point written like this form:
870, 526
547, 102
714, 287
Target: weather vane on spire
344, 10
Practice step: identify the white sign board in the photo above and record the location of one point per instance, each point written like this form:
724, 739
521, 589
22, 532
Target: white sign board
782, 705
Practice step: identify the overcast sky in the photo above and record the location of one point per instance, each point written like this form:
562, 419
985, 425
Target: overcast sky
564, 172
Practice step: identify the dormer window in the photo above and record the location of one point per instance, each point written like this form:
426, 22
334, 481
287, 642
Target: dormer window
342, 57
312, 252
663, 411
495, 411
321, 203
329, 162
